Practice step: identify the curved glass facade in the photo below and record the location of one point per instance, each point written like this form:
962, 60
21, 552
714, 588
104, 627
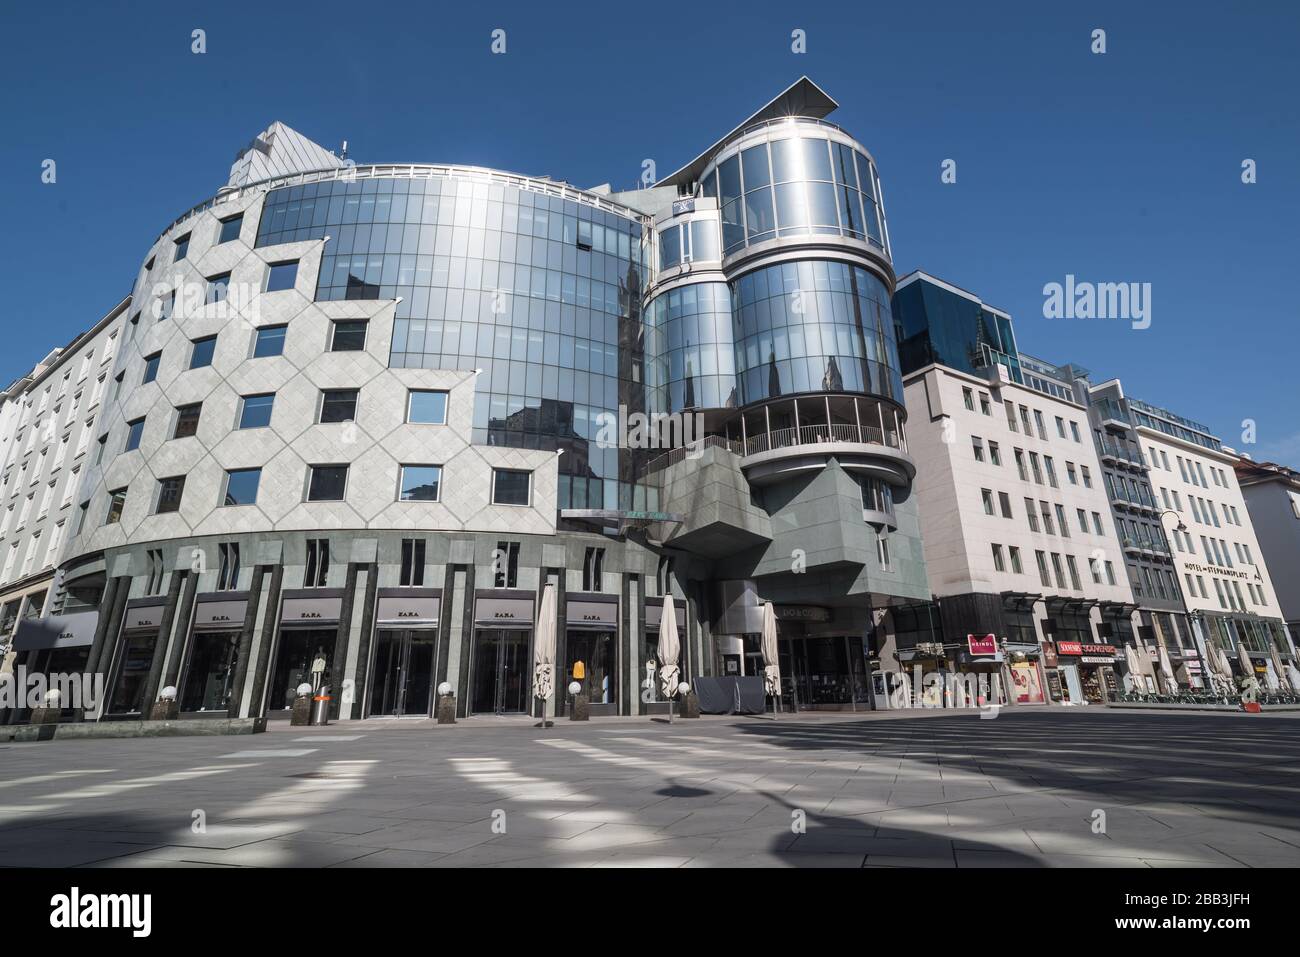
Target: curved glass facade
541, 293
804, 184
689, 332
814, 326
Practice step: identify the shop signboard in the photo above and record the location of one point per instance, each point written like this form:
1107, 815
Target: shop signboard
1069, 648
1049, 654
982, 644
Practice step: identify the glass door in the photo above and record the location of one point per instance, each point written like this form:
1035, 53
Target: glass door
132, 674
208, 681
298, 648
501, 672
402, 677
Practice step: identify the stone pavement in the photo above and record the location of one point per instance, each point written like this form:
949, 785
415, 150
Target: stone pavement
1051, 787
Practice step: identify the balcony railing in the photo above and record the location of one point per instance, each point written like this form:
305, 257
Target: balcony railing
818, 434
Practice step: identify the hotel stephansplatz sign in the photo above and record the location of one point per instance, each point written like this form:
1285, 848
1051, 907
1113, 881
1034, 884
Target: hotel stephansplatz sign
1221, 571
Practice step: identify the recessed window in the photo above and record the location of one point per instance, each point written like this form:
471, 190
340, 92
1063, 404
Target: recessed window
241, 486
218, 288
134, 430
510, 487
255, 411
427, 407
338, 405
269, 341
281, 276
116, 503
420, 483
202, 353
187, 420
349, 336
169, 494
182, 248
151, 367
230, 229
327, 483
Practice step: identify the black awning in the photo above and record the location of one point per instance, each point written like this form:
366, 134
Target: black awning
1020, 600
1116, 609
57, 631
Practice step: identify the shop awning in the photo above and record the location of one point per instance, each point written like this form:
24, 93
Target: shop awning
1064, 605
1020, 600
57, 631
1116, 609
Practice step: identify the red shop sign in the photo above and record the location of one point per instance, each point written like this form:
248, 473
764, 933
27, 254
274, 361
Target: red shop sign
1069, 648
982, 644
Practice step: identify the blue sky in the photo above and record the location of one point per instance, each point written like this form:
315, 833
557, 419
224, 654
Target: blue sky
1114, 168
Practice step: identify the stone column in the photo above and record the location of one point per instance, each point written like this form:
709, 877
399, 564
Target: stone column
246, 641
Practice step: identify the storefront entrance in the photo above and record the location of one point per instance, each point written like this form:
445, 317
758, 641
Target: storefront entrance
402, 678
824, 673
501, 671
132, 673
210, 677
299, 647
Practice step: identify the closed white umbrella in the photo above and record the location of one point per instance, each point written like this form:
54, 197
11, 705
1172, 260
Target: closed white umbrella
669, 648
1293, 675
771, 659
1134, 667
1275, 674
1225, 668
1167, 669
544, 650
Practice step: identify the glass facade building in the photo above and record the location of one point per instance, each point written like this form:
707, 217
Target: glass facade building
539, 292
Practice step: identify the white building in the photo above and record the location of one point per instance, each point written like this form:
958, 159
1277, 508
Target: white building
46, 422
1226, 585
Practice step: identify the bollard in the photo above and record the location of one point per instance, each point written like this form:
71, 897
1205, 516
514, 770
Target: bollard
447, 708
320, 707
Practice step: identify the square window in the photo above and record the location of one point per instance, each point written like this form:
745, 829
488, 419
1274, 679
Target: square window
182, 248
116, 503
282, 276
151, 368
218, 288
327, 483
241, 486
230, 229
420, 483
134, 430
427, 407
255, 411
169, 494
269, 341
338, 405
510, 487
349, 336
187, 420
202, 353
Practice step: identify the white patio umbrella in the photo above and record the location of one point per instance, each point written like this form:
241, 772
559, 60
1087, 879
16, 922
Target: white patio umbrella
771, 658
544, 650
1275, 674
1225, 668
1134, 667
1167, 669
669, 648
1293, 676
1247, 665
